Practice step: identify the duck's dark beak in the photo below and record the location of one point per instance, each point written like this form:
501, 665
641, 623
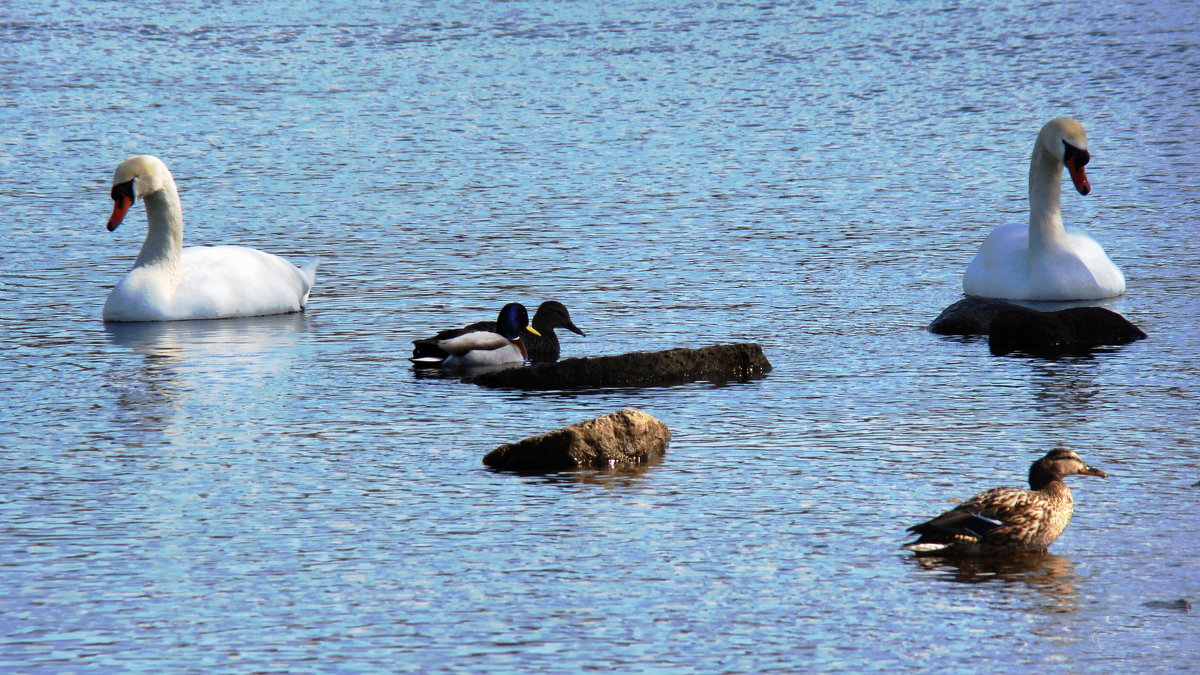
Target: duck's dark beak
574, 329
1089, 471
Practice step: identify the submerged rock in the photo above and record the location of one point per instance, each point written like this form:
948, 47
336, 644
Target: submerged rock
719, 363
627, 437
1181, 605
1077, 330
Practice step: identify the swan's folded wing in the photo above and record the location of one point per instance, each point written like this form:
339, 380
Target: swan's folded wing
476, 341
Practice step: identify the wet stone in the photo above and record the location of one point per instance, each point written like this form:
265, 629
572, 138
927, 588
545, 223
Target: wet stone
628, 437
717, 363
969, 316
1011, 327
1077, 330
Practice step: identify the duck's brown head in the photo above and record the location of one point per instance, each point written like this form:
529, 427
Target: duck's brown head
552, 314
1057, 464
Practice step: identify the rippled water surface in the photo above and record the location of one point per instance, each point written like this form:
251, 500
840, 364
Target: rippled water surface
285, 494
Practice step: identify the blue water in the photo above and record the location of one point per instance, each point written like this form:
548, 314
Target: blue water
286, 494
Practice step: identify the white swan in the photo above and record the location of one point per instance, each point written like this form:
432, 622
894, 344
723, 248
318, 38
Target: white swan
169, 282
1046, 261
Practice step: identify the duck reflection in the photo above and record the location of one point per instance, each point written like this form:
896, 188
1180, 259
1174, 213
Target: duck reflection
1052, 576
459, 373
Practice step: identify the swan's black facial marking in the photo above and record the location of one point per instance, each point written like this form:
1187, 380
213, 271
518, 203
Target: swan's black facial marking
124, 190
1075, 155
123, 196
1074, 159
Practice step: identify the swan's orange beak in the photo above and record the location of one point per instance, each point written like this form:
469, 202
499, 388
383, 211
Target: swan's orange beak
1078, 176
121, 204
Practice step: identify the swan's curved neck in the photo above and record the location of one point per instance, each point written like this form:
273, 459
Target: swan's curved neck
164, 235
1045, 191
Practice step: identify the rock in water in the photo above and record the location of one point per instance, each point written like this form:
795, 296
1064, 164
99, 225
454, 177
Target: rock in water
625, 438
1011, 327
1181, 605
719, 363
1077, 330
969, 316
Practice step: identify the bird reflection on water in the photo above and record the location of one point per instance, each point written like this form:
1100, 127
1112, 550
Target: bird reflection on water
214, 360
1052, 576
212, 336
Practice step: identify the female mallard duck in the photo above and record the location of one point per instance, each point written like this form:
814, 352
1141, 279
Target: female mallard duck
169, 282
1008, 519
477, 347
1044, 260
542, 347
550, 314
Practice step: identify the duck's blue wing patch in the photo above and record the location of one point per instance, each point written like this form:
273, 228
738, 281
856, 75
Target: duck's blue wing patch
979, 524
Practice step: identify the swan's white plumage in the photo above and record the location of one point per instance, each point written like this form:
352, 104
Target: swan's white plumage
1045, 260
211, 282
169, 282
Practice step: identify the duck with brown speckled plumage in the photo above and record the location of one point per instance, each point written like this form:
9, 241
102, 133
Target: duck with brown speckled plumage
1008, 520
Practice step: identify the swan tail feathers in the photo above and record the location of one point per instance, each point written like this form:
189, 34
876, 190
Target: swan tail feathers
308, 276
309, 272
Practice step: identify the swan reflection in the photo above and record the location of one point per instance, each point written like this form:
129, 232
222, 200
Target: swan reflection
213, 362
213, 337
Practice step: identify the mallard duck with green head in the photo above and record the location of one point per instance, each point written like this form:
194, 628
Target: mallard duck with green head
470, 347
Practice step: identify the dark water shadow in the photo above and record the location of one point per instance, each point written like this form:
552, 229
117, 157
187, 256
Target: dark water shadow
1069, 385
458, 374
616, 476
1052, 577
586, 392
962, 339
602, 392
1082, 354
